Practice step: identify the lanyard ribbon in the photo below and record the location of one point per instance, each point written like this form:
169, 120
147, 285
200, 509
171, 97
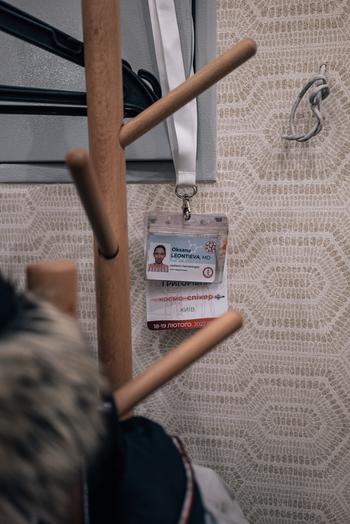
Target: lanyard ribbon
182, 125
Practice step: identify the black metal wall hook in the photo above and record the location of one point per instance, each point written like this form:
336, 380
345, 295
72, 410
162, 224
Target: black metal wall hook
140, 89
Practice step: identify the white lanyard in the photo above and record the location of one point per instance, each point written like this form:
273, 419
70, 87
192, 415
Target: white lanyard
182, 125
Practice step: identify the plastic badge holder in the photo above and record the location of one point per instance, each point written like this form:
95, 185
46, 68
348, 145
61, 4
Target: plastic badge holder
184, 305
192, 251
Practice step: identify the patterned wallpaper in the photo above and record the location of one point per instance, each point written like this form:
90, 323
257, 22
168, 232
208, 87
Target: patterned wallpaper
269, 410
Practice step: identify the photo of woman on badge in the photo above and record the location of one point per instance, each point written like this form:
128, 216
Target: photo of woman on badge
159, 254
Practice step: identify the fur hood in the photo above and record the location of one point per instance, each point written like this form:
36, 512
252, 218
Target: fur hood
50, 417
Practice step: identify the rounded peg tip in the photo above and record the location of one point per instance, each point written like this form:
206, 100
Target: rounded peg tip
52, 267
250, 44
234, 316
77, 158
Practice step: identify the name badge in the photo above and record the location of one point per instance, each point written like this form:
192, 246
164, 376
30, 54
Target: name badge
192, 251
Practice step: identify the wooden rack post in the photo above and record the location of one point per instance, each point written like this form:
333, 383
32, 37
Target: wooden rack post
107, 137
105, 117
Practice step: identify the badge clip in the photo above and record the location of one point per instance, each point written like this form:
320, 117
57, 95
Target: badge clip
186, 196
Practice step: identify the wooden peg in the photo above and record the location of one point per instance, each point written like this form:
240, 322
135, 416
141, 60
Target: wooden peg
83, 175
176, 361
56, 282
185, 92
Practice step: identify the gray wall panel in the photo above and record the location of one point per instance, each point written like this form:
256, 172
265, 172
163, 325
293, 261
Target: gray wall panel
41, 140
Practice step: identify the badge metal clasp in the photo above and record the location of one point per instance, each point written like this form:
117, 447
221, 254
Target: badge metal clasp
186, 209
186, 195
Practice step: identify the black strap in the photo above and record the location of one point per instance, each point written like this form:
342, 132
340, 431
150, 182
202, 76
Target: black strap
105, 476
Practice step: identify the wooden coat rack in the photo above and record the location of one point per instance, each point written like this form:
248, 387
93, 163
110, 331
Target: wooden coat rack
107, 138
101, 184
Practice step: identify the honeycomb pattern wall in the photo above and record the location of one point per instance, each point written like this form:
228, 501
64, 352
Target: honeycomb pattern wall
269, 409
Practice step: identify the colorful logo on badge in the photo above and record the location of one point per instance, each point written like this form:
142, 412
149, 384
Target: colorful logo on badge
210, 246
